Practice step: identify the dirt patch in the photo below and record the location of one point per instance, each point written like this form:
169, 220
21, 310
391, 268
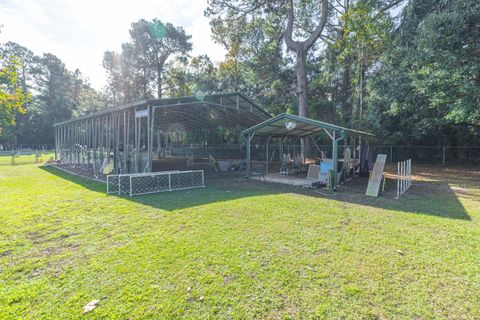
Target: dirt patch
5, 253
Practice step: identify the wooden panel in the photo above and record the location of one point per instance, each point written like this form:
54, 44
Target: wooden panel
376, 176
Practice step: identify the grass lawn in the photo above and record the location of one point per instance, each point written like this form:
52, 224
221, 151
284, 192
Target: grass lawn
238, 250
24, 159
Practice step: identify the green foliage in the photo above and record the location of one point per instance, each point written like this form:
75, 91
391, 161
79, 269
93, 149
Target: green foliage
139, 69
48, 93
13, 97
157, 30
256, 64
427, 90
410, 77
177, 82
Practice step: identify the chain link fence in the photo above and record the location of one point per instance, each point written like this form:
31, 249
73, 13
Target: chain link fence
25, 156
13, 147
432, 154
439, 155
145, 183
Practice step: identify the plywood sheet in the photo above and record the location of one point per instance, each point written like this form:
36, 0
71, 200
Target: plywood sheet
376, 176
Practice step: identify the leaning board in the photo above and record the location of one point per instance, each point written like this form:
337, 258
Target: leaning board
376, 177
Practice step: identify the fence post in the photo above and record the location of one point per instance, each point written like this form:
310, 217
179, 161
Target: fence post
391, 154
398, 180
443, 155
131, 192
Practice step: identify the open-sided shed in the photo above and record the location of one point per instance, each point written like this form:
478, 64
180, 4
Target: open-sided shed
125, 138
293, 126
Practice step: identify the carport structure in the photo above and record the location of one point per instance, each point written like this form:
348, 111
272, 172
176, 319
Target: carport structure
125, 138
292, 126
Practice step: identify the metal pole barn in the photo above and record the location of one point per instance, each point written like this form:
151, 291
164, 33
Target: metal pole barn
91, 140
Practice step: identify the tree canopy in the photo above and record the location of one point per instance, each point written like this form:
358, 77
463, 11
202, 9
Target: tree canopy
13, 96
37, 91
407, 70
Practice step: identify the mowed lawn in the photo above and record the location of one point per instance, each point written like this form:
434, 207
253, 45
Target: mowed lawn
237, 250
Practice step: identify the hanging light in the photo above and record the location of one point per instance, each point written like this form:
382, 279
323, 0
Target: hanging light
290, 125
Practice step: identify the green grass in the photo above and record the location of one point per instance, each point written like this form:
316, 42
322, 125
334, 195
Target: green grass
246, 251
6, 160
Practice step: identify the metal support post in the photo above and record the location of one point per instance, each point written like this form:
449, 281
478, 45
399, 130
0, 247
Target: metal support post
150, 120
135, 141
249, 139
266, 155
334, 159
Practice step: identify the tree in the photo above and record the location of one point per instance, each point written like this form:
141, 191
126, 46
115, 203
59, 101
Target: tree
242, 12
236, 19
48, 93
426, 89
177, 78
301, 49
256, 63
13, 96
203, 75
25, 58
112, 64
359, 32
156, 42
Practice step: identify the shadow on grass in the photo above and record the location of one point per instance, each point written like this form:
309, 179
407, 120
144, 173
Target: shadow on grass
219, 189
84, 182
433, 198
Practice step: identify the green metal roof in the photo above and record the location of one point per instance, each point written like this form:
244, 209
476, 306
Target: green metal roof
236, 105
303, 127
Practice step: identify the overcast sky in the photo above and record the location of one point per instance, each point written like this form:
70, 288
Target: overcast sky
79, 31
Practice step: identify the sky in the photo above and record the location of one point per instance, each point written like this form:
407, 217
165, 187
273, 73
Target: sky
79, 32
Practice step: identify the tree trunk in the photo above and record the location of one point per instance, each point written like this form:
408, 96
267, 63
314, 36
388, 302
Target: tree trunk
145, 83
159, 83
361, 91
302, 83
346, 91
301, 48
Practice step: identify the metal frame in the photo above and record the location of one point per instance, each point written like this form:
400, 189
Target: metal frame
275, 127
404, 177
169, 174
120, 137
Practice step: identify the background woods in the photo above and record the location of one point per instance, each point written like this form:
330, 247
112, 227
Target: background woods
408, 71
